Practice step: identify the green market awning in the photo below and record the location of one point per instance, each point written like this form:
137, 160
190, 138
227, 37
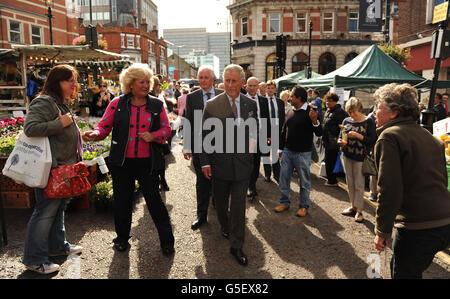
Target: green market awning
370, 69
290, 80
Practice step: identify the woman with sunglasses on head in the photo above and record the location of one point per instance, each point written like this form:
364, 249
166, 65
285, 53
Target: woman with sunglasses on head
101, 100
49, 115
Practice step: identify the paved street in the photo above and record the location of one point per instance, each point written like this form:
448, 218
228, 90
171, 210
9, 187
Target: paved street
322, 245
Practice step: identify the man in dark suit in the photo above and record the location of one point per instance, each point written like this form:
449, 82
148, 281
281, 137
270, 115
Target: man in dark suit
276, 116
195, 102
229, 161
263, 114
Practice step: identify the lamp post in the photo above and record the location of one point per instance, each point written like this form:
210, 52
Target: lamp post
308, 67
49, 3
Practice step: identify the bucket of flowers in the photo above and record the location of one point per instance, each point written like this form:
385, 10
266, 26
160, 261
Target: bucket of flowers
101, 195
10, 129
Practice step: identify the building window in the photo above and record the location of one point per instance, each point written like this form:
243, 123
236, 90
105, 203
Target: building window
35, 35
271, 67
138, 41
15, 32
244, 26
301, 22
299, 62
122, 40
328, 21
350, 57
327, 63
130, 41
274, 23
353, 21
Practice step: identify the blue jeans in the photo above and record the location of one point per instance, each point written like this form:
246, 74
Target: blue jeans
301, 162
45, 231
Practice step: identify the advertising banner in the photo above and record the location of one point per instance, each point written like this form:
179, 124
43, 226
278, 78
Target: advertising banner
370, 15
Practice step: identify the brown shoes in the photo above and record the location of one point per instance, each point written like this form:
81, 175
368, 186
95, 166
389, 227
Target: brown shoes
359, 217
281, 208
349, 212
301, 212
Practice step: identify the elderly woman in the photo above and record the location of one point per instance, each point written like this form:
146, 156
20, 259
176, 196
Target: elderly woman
361, 135
139, 126
50, 116
412, 184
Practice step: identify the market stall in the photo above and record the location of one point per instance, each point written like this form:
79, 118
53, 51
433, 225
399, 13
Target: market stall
16, 62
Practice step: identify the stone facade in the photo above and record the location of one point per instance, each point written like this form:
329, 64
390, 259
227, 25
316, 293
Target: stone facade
254, 44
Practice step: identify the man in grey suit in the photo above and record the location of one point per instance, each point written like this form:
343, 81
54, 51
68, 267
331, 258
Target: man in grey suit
229, 161
195, 102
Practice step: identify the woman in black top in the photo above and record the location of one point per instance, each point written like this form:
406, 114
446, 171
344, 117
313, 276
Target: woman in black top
331, 121
361, 135
101, 100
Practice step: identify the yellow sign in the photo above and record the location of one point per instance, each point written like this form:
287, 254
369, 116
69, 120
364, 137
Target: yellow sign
440, 12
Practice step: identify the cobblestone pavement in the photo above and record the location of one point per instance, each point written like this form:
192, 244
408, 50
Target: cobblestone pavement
322, 245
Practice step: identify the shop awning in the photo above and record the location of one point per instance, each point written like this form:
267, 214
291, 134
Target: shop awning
370, 69
104, 64
66, 53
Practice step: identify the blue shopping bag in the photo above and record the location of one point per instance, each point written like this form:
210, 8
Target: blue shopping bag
338, 168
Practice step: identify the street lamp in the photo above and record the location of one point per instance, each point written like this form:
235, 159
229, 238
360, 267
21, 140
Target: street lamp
49, 3
308, 67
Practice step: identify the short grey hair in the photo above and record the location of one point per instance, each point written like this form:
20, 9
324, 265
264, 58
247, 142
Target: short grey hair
207, 67
235, 68
399, 97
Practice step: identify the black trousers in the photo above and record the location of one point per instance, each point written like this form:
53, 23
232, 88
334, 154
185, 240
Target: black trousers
232, 220
203, 189
330, 162
255, 172
414, 250
276, 170
123, 187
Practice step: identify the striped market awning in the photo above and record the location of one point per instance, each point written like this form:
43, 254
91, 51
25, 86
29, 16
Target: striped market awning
104, 64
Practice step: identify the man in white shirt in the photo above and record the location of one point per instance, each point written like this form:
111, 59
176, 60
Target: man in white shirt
276, 116
252, 87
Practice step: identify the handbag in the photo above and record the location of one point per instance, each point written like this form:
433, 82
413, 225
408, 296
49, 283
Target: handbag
30, 161
369, 168
338, 167
68, 180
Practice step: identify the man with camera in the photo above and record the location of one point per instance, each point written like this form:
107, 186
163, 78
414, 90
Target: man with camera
296, 144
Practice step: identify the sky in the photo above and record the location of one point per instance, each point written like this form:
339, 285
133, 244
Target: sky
211, 14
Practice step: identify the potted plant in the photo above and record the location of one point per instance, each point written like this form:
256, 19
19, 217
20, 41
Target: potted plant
101, 195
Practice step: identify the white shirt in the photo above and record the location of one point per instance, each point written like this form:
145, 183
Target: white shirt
257, 106
275, 105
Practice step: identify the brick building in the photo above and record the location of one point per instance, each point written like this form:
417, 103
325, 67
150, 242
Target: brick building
335, 34
26, 22
141, 45
415, 31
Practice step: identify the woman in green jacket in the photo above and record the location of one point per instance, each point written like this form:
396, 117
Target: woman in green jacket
412, 184
49, 116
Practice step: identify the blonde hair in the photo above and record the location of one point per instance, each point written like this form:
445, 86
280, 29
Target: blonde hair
353, 104
136, 71
285, 92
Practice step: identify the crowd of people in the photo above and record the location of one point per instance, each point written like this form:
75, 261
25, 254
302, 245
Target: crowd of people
410, 186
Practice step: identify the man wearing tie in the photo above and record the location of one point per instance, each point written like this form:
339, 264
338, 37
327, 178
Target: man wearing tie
230, 165
263, 114
195, 102
277, 115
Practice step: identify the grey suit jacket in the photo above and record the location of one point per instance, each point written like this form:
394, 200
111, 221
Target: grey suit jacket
230, 165
194, 101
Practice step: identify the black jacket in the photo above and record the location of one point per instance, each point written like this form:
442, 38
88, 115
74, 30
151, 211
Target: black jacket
121, 131
331, 121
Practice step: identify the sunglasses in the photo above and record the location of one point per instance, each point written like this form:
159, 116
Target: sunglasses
103, 85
